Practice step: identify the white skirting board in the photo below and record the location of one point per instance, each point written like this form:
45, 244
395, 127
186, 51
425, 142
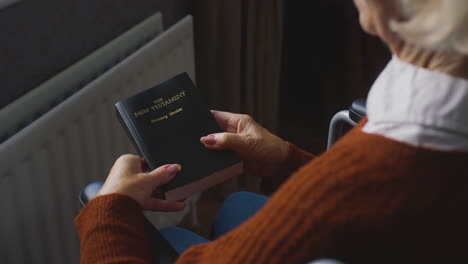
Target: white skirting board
45, 165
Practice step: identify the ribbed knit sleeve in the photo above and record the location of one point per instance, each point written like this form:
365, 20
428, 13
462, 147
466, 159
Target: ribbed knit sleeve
111, 230
302, 221
295, 159
366, 200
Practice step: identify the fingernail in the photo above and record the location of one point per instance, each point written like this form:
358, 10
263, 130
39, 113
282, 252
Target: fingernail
209, 140
173, 169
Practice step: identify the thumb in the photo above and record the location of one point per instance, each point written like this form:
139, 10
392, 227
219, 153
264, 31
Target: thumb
225, 140
162, 175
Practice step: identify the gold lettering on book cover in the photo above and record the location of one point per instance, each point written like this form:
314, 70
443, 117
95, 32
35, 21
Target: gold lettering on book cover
159, 119
160, 103
175, 111
141, 112
164, 117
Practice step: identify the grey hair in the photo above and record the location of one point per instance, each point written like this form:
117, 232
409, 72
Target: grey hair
434, 24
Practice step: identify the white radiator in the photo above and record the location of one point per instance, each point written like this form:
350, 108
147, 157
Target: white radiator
44, 166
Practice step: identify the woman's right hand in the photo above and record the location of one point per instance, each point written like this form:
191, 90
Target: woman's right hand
262, 152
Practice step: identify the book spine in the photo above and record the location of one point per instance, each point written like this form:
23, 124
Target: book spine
129, 128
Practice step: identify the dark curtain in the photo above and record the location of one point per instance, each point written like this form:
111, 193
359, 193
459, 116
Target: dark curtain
328, 61
238, 47
238, 60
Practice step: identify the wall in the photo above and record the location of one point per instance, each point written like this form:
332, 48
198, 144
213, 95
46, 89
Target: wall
40, 38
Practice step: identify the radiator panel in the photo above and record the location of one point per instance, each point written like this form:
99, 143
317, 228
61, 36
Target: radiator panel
45, 165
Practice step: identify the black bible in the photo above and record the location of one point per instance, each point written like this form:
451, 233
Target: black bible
165, 124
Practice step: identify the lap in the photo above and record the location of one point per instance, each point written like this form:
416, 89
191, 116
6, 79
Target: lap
236, 209
181, 239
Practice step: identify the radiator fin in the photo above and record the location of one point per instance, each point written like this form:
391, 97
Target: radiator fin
46, 165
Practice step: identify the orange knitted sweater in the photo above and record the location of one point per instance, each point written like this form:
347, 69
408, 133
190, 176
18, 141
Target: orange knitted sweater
369, 199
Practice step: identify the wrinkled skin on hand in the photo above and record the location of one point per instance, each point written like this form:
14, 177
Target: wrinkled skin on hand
261, 152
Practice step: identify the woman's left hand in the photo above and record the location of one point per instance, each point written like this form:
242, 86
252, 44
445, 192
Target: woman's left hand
127, 177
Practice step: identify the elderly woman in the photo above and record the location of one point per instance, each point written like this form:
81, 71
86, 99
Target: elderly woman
393, 190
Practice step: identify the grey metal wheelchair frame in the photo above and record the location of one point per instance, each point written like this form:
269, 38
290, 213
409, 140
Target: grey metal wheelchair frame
336, 128
357, 111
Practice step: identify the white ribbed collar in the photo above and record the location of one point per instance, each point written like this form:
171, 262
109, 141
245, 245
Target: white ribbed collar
419, 107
